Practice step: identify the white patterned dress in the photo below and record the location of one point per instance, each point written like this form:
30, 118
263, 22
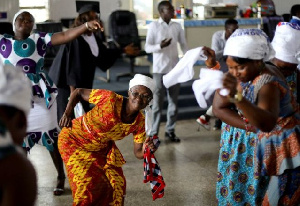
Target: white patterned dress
28, 55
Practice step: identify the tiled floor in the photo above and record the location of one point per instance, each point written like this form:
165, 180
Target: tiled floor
189, 169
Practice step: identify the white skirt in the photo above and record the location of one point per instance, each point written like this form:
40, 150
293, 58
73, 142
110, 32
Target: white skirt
42, 126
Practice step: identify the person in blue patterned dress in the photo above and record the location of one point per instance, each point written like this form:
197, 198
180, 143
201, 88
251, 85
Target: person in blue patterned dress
17, 175
260, 134
27, 50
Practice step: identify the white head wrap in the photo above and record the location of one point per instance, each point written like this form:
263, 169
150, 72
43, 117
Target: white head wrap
286, 42
15, 88
17, 14
148, 82
250, 44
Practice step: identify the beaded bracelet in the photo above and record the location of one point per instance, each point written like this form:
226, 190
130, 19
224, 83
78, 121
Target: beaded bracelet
248, 126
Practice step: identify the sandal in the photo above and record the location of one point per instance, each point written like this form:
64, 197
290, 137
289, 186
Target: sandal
59, 190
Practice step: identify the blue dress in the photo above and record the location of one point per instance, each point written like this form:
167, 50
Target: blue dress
240, 182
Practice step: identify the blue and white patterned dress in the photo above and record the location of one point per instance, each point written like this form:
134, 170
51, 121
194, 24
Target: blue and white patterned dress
28, 55
239, 182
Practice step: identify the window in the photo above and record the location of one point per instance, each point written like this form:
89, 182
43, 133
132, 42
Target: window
38, 8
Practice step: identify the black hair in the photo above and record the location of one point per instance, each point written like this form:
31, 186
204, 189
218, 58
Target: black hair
295, 10
9, 110
239, 60
81, 19
162, 4
231, 21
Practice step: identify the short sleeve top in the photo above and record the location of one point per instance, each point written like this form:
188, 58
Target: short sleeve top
28, 54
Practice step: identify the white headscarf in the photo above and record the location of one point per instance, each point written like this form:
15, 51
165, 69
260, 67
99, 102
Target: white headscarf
250, 44
286, 42
15, 88
148, 82
15, 17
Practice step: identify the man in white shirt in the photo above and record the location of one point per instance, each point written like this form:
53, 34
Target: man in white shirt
162, 38
219, 39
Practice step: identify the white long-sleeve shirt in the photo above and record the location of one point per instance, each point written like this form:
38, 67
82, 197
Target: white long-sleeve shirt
218, 44
164, 59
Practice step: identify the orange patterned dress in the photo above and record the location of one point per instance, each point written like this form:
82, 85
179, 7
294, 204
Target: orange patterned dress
93, 161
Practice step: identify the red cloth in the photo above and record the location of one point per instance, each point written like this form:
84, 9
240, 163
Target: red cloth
152, 172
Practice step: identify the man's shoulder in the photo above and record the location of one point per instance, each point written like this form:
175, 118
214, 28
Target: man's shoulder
219, 33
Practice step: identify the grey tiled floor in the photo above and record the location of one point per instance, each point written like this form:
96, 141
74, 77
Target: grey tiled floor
189, 169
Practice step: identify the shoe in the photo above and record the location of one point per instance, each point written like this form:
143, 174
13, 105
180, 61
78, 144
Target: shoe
202, 121
172, 137
59, 190
218, 124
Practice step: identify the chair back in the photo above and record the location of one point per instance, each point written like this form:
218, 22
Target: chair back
123, 28
6, 28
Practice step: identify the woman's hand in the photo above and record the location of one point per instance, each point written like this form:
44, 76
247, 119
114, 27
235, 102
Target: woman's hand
65, 121
230, 83
132, 50
149, 142
94, 25
211, 57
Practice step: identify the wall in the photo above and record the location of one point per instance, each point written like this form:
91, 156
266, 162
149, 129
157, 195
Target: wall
11, 6
283, 7
66, 8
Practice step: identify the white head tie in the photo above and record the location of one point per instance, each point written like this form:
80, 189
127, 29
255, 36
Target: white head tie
250, 44
143, 80
15, 88
286, 42
148, 82
15, 17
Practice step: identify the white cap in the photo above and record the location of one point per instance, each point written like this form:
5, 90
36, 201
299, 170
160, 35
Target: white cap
250, 44
286, 42
15, 88
143, 80
148, 82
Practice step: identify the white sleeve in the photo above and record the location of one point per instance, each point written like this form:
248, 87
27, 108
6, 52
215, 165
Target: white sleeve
216, 46
182, 41
150, 45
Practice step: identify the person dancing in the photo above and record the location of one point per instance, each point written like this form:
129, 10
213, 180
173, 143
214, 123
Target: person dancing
27, 50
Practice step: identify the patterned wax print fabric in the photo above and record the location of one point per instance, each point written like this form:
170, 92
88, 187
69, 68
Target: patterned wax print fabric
292, 83
278, 152
93, 161
237, 183
239, 151
29, 55
6, 144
